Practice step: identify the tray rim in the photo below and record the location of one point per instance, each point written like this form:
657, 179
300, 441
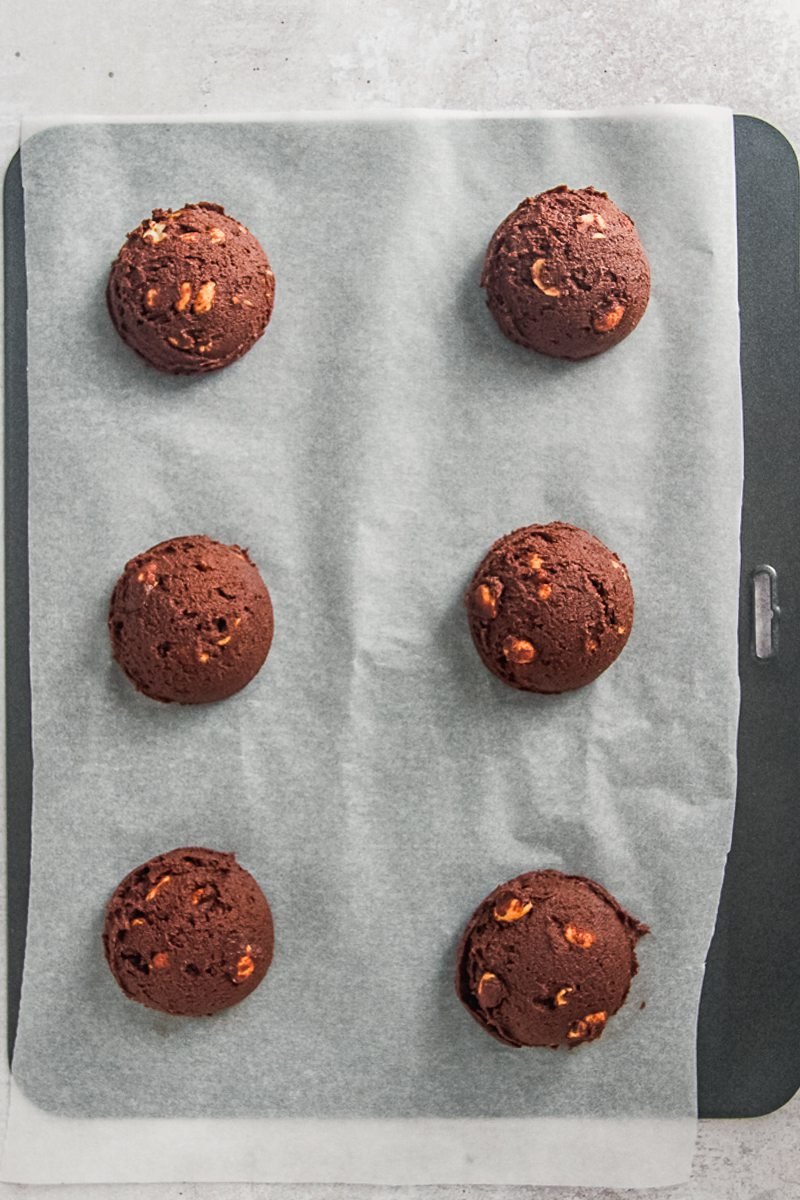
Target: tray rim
15, 474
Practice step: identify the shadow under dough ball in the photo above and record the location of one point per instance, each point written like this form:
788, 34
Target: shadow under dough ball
191, 290
549, 608
566, 274
188, 933
546, 959
190, 620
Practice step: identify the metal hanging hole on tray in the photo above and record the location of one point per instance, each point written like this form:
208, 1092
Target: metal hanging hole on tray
765, 612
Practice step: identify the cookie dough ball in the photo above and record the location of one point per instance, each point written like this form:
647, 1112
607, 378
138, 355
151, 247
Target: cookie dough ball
191, 291
549, 608
190, 620
189, 933
566, 274
546, 959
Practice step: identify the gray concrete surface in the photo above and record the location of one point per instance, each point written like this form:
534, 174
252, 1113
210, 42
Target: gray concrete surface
250, 56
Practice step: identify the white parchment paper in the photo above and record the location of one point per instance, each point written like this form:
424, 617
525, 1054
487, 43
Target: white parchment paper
374, 778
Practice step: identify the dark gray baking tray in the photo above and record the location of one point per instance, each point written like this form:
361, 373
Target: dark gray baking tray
748, 1050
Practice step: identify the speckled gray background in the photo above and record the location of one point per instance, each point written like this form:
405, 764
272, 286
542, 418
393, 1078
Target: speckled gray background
260, 55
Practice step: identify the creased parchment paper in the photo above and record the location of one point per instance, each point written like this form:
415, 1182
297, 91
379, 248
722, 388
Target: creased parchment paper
375, 779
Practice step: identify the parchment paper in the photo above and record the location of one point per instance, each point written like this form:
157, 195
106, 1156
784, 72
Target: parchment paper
374, 778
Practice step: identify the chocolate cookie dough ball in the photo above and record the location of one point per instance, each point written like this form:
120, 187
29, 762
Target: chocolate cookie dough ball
190, 620
546, 959
191, 290
549, 608
566, 274
189, 933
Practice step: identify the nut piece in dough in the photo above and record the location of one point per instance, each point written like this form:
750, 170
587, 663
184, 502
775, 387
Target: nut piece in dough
608, 319
584, 938
541, 277
510, 908
519, 651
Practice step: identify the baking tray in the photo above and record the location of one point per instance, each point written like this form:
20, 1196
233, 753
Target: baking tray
748, 1056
